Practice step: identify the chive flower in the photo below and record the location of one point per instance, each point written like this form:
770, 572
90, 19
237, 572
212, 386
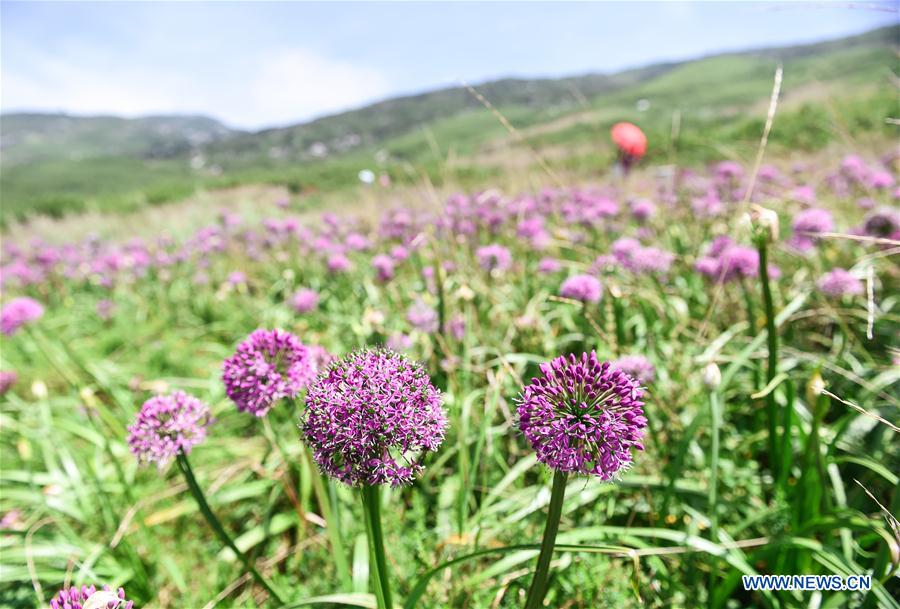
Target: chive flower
17, 313
166, 426
268, 366
585, 288
839, 282
304, 300
88, 596
583, 416
636, 366
370, 415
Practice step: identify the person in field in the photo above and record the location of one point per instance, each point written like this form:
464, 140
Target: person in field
631, 142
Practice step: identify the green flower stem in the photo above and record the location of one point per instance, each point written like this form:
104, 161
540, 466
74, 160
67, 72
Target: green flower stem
772, 367
371, 499
328, 503
219, 529
538, 588
715, 408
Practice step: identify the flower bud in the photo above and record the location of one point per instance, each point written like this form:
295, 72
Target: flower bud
712, 376
764, 222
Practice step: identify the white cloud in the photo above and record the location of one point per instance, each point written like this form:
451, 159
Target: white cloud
278, 88
297, 83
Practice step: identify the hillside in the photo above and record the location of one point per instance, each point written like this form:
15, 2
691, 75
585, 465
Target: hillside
36, 138
59, 164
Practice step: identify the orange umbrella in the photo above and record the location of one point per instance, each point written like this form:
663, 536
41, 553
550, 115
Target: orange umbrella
630, 139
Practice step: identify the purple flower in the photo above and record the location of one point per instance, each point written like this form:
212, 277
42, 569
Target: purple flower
804, 194
642, 209
636, 366
8, 378
304, 300
422, 317
268, 366
727, 261
399, 342
384, 267
338, 263
493, 257
399, 253
883, 222
880, 180
357, 242
839, 282
369, 415
583, 416
167, 426
585, 288
77, 598
457, 326
17, 313
649, 260
549, 265
237, 278
809, 222
105, 309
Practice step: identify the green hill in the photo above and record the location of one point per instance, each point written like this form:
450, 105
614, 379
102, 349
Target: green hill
59, 164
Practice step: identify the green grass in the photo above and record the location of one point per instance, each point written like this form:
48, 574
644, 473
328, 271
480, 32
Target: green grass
466, 534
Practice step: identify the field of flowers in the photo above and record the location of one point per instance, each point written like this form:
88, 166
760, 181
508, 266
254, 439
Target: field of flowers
691, 375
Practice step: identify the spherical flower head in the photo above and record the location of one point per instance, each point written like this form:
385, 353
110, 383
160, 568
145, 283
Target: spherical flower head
493, 257
807, 224
268, 366
880, 180
304, 300
78, 598
422, 317
649, 260
839, 282
384, 267
370, 415
17, 313
883, 222
338, 263
738, 261
583, 416
549, 265
8, 378
167, 426
105, 309
636, 366
642, 209
585, 288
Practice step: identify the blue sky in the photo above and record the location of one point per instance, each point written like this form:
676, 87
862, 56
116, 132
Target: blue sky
258, 64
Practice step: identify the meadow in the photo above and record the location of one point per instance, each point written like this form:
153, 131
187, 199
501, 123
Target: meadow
754, 307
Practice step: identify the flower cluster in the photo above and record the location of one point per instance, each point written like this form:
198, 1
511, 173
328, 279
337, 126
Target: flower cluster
17, 313
494, 257
368, 417
304, 300
89, 596
726, 261
583, 416
422, 317
840, 282
585, 288
166, 426
807, 224
636, 366
268, 366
